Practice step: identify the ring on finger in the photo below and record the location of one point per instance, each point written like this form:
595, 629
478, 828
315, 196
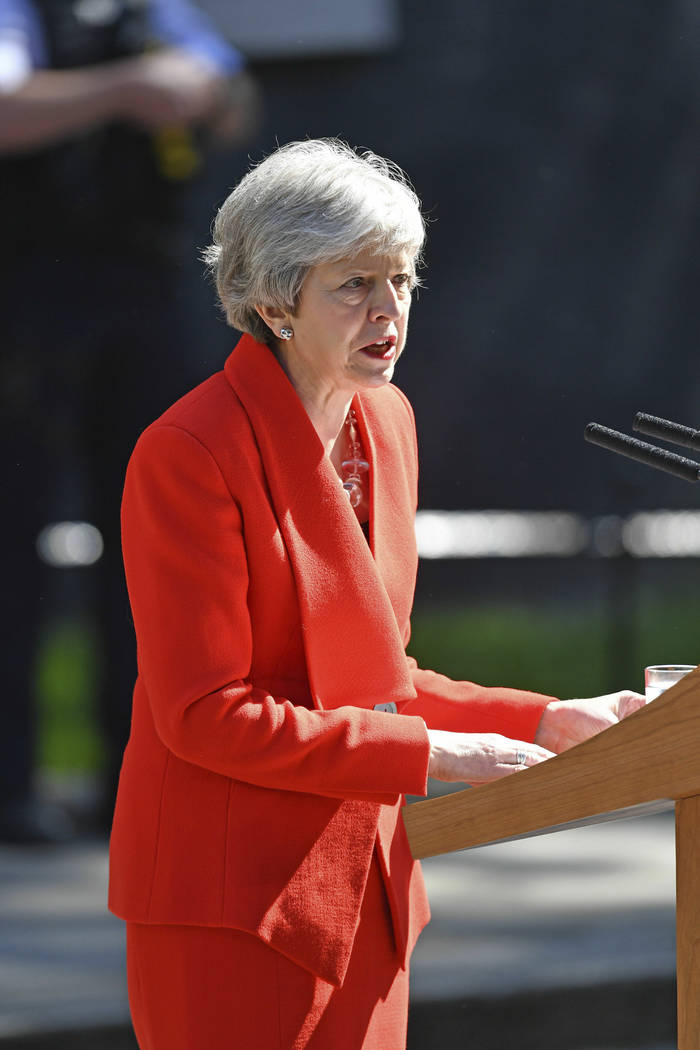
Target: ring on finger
520, 758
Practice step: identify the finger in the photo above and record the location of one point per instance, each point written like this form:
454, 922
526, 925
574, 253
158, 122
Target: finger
507, 765
631, 702
531, 755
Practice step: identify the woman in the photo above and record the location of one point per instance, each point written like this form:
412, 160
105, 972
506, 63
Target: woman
258, 853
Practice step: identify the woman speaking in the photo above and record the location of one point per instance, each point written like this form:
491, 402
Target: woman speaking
257, 853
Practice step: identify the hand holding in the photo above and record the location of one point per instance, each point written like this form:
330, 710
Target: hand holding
238, 113
168, 86
477, 758
565, 723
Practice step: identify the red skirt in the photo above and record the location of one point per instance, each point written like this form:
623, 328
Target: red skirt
202, 988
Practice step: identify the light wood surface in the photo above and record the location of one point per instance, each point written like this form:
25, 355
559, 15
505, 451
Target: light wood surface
688, 922
650, 760
652, 755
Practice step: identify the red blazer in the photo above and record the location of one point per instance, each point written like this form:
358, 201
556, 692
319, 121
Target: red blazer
258, 779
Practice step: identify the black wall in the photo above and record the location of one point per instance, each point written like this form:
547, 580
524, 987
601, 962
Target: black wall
555, 146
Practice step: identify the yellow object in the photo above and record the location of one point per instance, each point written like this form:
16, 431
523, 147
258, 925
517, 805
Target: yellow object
177, 153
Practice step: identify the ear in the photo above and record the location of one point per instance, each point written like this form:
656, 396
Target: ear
273, 317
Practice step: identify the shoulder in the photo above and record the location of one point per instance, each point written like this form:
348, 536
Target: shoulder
207, 431
17, 14
211, 413
22, 43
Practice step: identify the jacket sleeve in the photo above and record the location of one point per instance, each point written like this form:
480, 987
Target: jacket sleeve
187, 576
465, 707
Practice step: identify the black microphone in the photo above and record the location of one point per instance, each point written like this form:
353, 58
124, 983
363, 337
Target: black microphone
642, 452
653, 426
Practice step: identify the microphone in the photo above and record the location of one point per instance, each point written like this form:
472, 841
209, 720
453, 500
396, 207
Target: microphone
643, 452
653, 426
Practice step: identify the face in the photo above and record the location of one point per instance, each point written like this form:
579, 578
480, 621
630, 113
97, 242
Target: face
351, 321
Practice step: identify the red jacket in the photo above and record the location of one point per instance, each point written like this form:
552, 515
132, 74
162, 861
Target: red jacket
258, 778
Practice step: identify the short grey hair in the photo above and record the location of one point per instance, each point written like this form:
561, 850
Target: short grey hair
307, 203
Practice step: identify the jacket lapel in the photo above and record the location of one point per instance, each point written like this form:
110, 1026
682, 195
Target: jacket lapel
354, 650
392, 500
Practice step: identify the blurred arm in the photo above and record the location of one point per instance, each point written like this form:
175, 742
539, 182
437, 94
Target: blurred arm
39, 106
154, 90
196, 76
183, 25
53, 105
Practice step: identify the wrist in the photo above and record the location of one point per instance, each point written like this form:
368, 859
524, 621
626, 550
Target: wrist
436, 755
117, 87
547, 733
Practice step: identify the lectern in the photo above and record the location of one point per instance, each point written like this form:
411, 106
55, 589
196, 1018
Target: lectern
648, 762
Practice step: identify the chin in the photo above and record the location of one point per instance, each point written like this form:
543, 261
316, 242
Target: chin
371, 378
378, 380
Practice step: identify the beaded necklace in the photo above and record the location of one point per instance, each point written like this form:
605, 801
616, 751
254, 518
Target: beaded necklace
355, 465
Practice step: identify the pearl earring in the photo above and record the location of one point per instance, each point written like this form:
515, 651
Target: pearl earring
286, 333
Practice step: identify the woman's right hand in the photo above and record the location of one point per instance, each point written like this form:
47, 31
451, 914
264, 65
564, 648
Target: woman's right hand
477, 758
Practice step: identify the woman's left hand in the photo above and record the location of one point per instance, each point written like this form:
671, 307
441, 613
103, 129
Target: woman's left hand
565, 723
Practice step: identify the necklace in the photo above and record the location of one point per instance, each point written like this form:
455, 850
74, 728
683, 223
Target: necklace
355, 465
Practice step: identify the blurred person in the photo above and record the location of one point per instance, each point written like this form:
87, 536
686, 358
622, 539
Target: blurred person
106, 110
258, 853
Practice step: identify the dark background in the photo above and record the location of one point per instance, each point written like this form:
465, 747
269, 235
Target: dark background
555, 148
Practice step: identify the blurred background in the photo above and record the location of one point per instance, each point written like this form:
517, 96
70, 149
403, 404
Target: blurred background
554, 146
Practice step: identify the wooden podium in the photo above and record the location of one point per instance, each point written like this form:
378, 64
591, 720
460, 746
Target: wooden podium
648, 762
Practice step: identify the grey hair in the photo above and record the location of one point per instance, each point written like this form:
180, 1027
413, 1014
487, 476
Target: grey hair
307, 203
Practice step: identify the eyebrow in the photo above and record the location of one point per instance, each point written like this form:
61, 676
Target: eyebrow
350, 270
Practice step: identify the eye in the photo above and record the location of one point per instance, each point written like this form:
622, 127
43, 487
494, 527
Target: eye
404, 280
354, 282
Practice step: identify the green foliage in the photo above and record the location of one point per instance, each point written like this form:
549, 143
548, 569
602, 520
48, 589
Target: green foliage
66, 679
559, 650
668, 632
544, 650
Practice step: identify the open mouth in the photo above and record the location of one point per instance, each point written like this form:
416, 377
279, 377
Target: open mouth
382, 349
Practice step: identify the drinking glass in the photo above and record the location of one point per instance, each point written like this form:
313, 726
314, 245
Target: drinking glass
660, 677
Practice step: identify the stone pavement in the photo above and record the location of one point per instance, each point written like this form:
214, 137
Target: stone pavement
577, 922
561, 942
561, 910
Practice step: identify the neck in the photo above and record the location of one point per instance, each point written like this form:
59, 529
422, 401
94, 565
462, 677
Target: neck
325, 407
328, 419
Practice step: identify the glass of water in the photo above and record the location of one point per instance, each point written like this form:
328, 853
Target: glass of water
660, 677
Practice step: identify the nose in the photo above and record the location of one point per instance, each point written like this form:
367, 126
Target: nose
386, 304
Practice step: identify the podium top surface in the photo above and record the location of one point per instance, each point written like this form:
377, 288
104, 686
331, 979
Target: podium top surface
642, 764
